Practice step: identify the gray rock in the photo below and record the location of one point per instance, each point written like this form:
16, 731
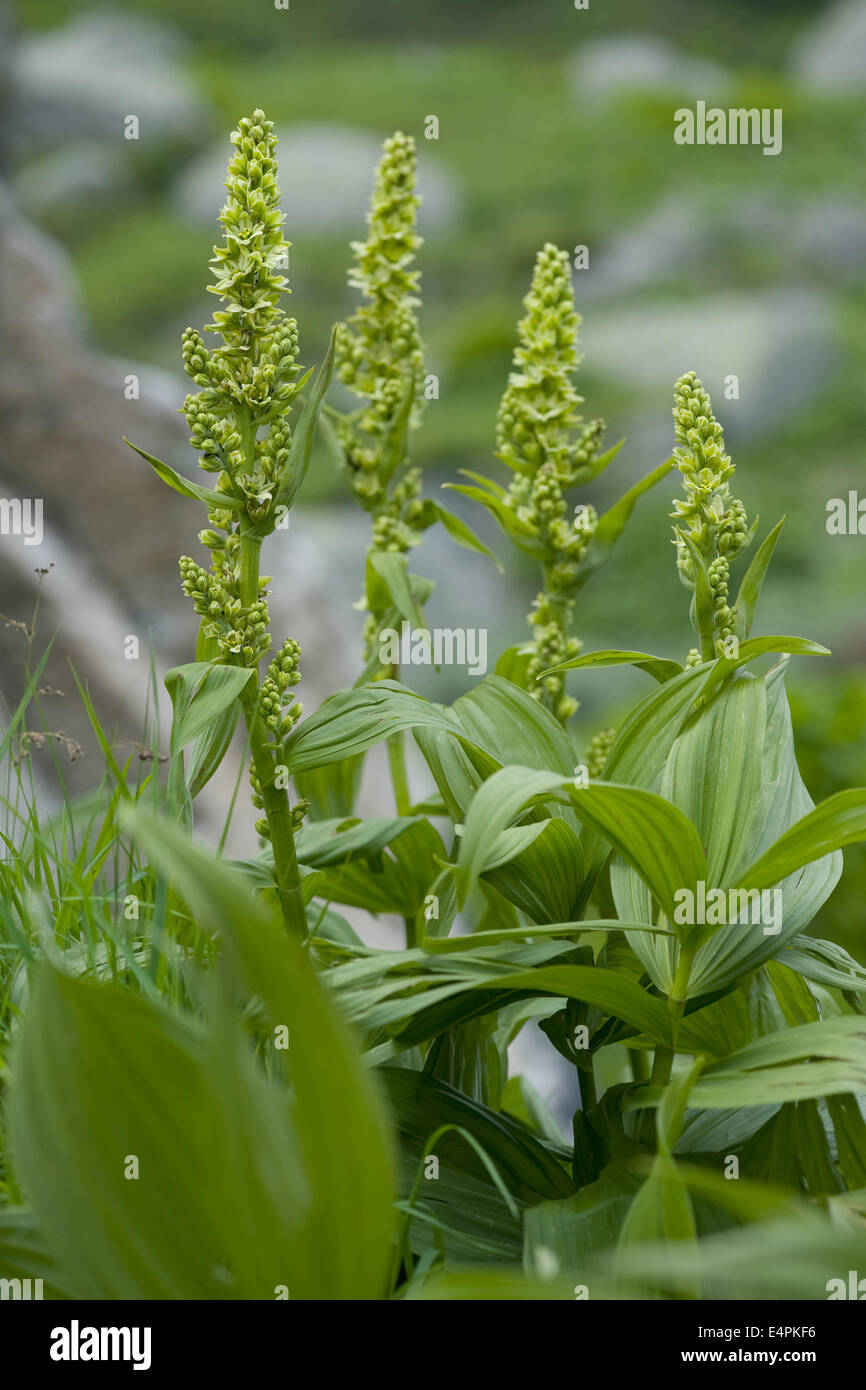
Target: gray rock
830, 56
829, 235
81, 173
617, 65
820, 239
668, 240
326, 174
87, 76
780, 344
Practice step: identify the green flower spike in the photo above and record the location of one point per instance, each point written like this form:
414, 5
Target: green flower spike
238, 421
380, 358
711, 526
541, 436
379, 353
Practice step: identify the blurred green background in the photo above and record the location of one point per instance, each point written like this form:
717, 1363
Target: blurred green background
554, 124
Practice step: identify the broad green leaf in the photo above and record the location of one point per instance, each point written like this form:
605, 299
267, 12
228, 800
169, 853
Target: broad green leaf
392, 569
422, 1104
656, 666
713, 774
498, 802
792, 1064
304, 431
200, 692
825, 963
217, 501
25, 1253
336, 1110
724, 666
210, 747
545, 878
494, 500
849, 1128
111, 1078
394, 445
721, 1131
399, 882
792, 1149
509, 724
661, 843
205, 700
324, 843
734, 950
460, 532
567, 1235
640, 748
355, 720
333, 790
662, 1209
702, 611
838, 821
467, 1285
804, 1257
750, 588
651, 833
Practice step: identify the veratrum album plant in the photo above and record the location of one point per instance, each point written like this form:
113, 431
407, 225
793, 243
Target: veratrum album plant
216, 1089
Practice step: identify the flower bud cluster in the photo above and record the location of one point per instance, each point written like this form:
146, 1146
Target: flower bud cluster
279, 711
539, 424
239, 631
249, 381
380, 358
599, 746
542, 437
550, 647
714, 521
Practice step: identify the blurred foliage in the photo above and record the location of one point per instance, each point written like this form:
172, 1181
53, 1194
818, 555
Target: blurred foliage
830, 732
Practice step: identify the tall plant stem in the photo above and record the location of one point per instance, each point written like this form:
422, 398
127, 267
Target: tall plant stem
399, 774
663, 1060
276, 800
561, 612
588, 1092
402, 799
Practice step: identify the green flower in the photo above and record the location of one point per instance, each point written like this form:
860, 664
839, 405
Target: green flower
246, 266
379, 352
380, 358
541, 436
539, 424
708, 517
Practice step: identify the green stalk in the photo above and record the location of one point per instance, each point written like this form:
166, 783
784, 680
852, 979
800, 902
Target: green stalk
396, 746
251, 549
276, 800
588, 1092
399, 774
663, 1059
278, 812
639, 1065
